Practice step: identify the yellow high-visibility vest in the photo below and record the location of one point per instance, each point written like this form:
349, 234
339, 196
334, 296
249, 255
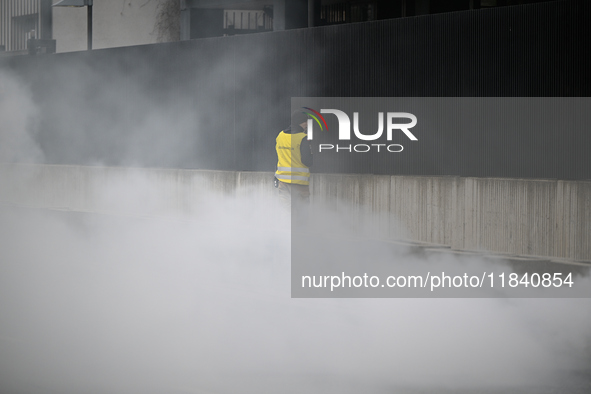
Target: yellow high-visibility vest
290, 168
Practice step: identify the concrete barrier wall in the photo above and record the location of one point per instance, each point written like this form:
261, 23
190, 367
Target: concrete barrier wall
516, 216
550, 218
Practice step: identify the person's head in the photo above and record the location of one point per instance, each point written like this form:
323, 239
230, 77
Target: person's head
300, 119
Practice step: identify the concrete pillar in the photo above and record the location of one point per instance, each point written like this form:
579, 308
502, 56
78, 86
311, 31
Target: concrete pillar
278, 15
421, 7
296, 14
46, 14
292, 14
185, 21
313, 12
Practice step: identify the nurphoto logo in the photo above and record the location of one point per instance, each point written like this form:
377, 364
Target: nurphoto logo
344, 132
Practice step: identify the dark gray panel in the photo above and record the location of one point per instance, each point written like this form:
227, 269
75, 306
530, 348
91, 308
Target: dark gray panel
218, 103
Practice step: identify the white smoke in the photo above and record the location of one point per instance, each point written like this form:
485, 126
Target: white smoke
200, 303
18, 116
122, 302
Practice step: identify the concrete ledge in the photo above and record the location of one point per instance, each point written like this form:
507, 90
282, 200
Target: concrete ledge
550, 219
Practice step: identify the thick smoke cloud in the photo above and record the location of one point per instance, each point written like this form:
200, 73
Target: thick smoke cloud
157, 106
200, 302
18, 114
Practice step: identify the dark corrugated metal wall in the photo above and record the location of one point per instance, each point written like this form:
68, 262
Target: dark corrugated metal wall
239, 88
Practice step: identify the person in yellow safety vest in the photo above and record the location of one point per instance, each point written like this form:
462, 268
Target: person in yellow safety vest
294, 159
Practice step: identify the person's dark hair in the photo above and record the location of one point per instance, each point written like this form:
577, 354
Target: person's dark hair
298, 117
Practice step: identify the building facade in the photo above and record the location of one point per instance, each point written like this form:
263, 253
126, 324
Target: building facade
139, 22
212, 18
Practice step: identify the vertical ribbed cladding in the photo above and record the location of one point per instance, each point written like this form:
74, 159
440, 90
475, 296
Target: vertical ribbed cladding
262, 104
4, 24
11, 8
241, 88
575, 55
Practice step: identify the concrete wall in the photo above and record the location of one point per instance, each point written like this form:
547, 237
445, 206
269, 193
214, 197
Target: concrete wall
115, 24
515, 216
121, 190
549, 218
